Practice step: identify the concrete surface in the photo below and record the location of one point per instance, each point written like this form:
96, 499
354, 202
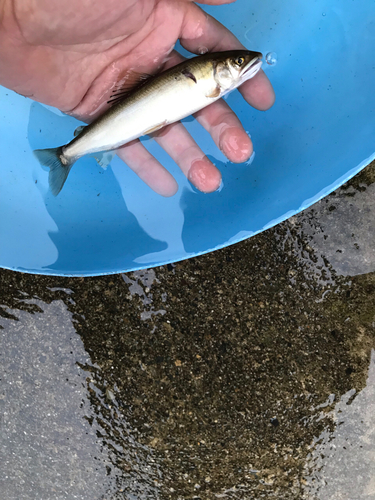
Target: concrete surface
244, 374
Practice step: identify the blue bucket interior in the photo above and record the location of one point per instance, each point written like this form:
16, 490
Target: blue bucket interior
319, 133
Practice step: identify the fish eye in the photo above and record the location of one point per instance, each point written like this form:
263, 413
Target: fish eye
239, 61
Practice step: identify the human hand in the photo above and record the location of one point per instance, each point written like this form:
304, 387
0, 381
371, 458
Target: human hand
72, 54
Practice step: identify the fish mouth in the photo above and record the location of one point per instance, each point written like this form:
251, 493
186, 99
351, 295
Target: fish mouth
252, 68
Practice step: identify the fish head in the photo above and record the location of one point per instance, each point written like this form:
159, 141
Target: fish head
235, 67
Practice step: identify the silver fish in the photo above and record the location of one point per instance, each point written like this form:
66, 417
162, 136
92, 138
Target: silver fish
160, 100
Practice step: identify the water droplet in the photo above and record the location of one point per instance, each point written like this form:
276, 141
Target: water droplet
220, 187
323, 14
271, 58
203, 50
250, 160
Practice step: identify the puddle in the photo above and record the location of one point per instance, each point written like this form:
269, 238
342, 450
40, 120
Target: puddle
243, 374
342, 460
140, 285
53, 415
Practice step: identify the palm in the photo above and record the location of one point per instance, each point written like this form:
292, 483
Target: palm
65, 64
94, 46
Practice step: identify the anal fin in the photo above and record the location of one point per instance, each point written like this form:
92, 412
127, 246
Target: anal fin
104, 158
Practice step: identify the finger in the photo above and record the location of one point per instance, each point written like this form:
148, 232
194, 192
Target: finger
148, 169
258, 92
182, 148
202, 33
214, 2
226, 130
222, 124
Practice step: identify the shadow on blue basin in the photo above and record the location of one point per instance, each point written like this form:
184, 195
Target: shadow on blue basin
319, 134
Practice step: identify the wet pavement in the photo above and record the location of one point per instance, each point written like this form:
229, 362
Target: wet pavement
248, 373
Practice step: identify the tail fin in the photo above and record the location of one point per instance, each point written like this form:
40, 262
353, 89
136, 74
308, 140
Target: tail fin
59, 167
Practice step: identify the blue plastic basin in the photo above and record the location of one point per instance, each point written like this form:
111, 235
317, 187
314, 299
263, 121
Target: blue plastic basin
319, 134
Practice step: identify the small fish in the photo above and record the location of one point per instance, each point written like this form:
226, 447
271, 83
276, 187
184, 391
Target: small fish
156, 102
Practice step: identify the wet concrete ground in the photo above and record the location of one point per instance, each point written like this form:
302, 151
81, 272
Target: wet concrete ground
248, 373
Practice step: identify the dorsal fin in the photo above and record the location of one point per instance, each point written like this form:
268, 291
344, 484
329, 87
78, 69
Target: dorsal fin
133, 82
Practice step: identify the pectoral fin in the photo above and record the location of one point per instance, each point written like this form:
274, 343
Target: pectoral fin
215, 93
